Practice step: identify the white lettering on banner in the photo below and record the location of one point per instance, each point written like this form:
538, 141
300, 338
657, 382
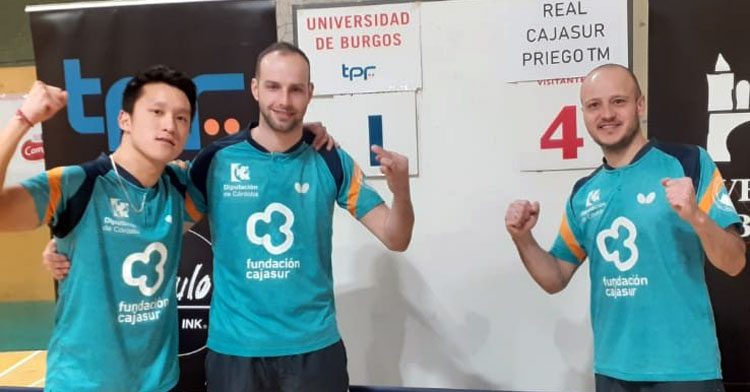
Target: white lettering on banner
193, 323
196, 289
744, 184
745, 222
728, 110
32, 150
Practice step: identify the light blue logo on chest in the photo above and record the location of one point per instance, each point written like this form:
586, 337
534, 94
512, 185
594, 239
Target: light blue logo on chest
617, 244
270, 227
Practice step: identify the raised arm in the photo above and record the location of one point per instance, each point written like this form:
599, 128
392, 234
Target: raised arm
393, 226
551, 273
17, 210
724, 248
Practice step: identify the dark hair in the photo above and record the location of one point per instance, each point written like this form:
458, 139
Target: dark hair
158, 74
638, 92
283, 47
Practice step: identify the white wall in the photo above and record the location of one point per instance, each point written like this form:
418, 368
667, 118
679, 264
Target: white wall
458, 310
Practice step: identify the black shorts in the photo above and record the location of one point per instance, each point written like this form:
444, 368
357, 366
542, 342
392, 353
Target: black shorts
318, 371
609, 384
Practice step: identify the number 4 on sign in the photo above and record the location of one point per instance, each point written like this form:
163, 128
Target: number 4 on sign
570, 142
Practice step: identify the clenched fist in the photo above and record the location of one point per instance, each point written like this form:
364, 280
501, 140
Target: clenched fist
521, 217
396, 169
42, 102
681, 197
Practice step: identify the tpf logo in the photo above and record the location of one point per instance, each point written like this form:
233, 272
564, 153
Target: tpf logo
78, 87
119, 208
239, 173
352, 73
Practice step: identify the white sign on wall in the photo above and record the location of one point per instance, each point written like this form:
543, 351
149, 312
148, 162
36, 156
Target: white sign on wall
549, 39
361, 49
555, 137
28, 160
385, 119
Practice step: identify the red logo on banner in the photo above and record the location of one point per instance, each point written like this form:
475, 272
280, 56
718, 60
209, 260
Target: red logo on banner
32, 151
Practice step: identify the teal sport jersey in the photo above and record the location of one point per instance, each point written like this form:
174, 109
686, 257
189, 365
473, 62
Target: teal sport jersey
650, 310
271, 225
116, 316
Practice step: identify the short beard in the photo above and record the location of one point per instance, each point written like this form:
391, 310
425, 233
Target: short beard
621, 145
278, 128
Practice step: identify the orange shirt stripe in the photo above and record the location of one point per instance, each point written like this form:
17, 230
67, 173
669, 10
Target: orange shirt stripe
570, 239
713, 190
191, 209
54, 177
354, 188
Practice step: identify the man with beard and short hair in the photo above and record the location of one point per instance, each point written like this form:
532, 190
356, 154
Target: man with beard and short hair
646, 219
270, 199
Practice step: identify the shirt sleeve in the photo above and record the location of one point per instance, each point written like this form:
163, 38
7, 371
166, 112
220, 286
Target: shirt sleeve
51, 191
567, 246
197, 187
191, 213
355, 195
713, 198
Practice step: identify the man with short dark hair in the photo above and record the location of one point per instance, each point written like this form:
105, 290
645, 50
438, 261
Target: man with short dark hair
119, 218
269, 199
646, 219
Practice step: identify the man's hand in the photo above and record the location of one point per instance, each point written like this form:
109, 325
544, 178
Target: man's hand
58, 265
396, 169
322, 138
681, 197
521, 217
42, 102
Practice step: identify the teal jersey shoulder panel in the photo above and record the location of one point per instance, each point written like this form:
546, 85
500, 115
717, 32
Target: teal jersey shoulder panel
116, 317
355, 195
51, 189
568, 243
179, 178
713, 197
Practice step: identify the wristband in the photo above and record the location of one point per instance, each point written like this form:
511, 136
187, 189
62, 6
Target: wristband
23, 118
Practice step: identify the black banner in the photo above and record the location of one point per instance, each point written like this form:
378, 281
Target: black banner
699, 67
92, 51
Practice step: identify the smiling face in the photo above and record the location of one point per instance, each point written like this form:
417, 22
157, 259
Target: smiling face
612, 106
283, 90
159, 124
